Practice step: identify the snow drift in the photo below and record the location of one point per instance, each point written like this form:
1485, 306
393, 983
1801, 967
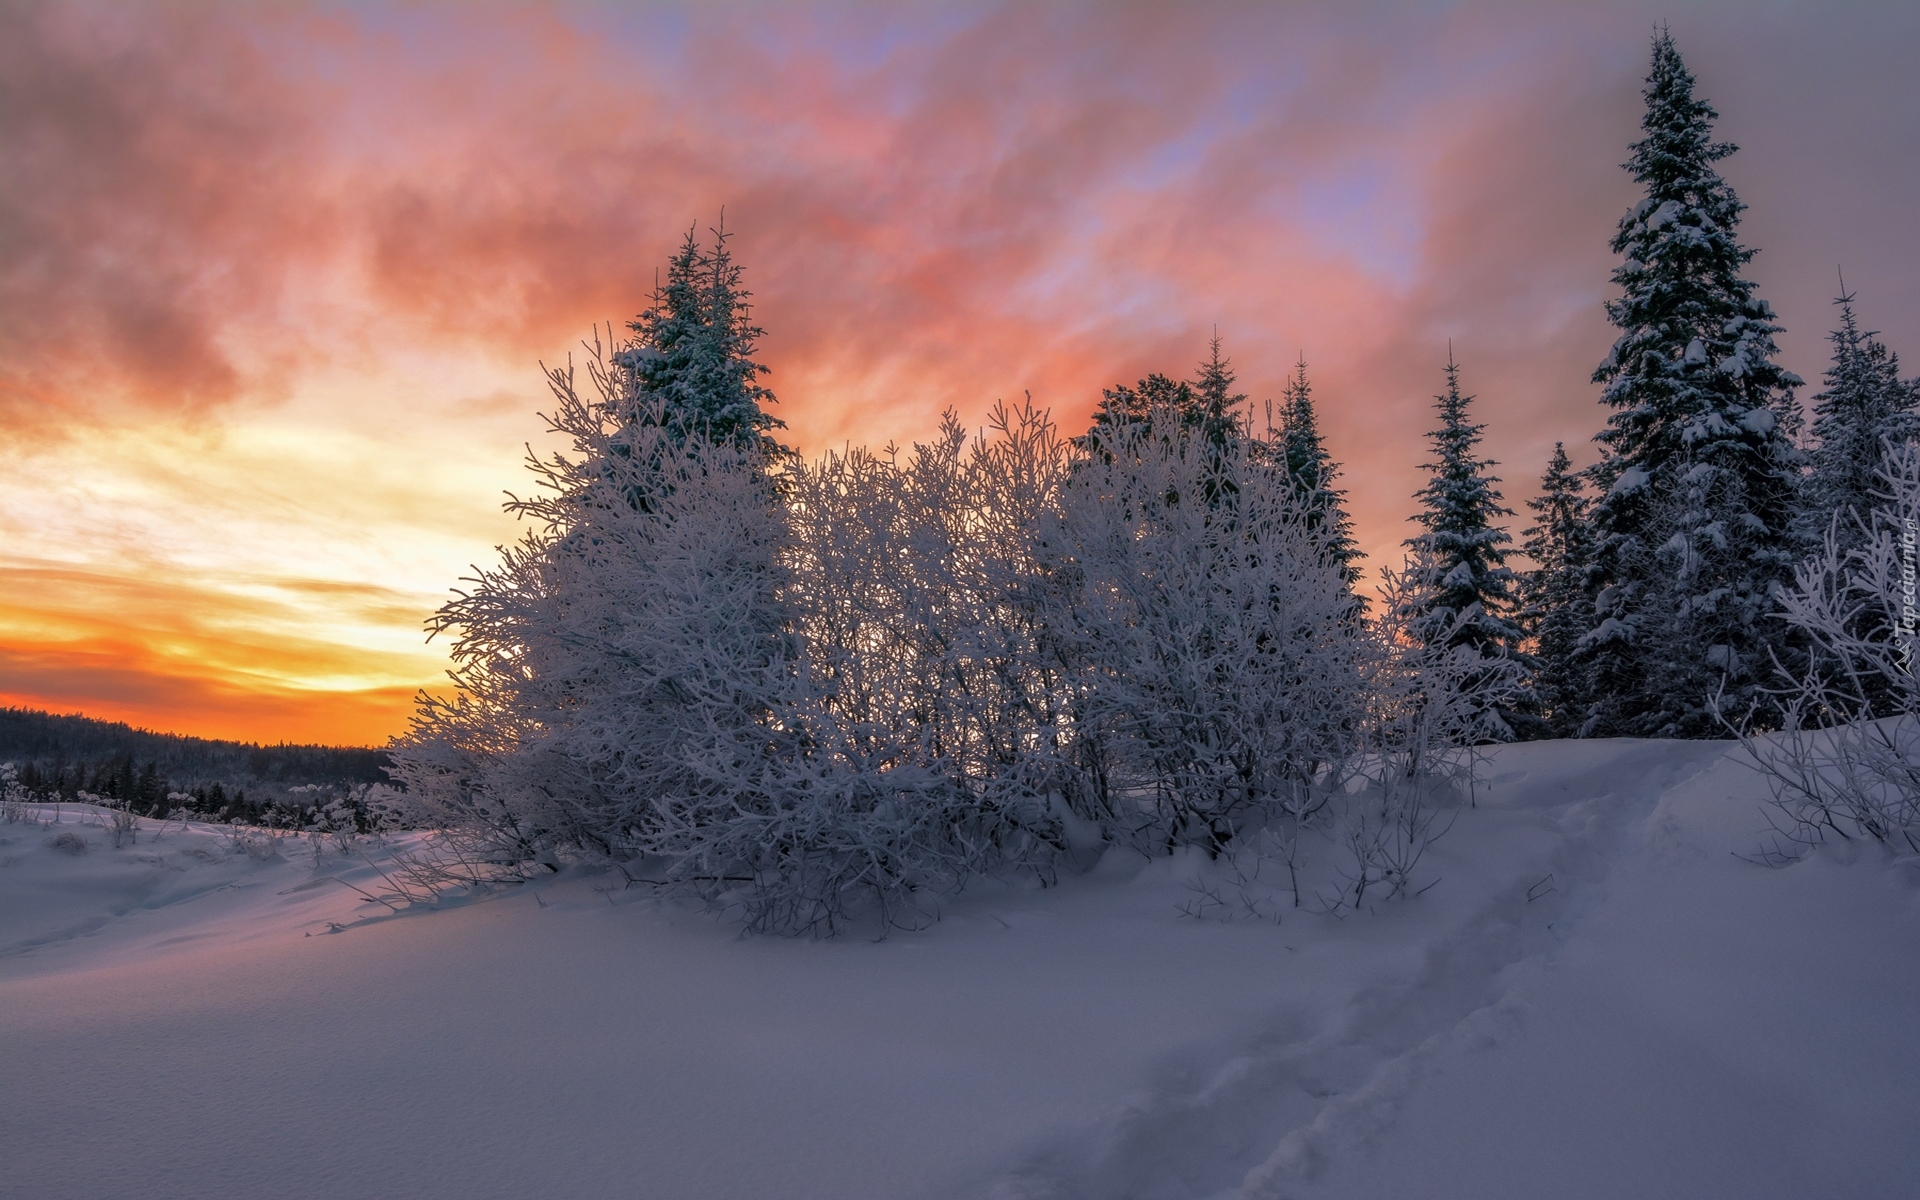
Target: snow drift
1598, 998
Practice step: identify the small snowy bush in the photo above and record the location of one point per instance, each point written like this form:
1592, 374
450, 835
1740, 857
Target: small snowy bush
1218, 662
13, 797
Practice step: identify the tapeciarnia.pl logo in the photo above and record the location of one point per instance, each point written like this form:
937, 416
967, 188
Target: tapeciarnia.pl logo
1909, 617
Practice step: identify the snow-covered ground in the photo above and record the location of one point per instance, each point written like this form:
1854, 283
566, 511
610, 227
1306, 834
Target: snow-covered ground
1596, 1000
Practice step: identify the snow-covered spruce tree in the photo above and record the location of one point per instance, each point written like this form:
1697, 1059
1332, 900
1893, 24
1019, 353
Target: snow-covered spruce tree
1314, 473
1217, 404
1698, 477
1469, 600
1555, 609
618, 670
1217, 671
1865, 410
692, 358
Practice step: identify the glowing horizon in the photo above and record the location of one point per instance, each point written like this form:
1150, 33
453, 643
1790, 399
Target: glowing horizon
279, 281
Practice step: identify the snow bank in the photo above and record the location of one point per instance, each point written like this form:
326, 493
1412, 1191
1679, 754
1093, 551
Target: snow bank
1597, 999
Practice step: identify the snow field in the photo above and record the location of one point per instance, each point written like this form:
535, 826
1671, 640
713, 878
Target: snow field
1596, 999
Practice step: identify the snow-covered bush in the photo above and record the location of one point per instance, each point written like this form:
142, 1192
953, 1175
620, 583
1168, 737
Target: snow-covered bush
1218, 662
1847, 762
121, 824
13, 796
1432, 696
920, 605
114, 816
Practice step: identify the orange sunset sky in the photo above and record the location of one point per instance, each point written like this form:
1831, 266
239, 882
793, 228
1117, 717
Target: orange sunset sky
276, 281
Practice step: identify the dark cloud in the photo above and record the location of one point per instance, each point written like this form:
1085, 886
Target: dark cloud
157, 184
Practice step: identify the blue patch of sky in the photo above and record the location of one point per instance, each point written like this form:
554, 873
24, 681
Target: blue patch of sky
869, 38
1080, 287
656, 34
1366, 214
1363, 209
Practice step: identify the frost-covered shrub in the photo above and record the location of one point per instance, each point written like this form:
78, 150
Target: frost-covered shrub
1847, 762
920, 606
13, 796
121, 825
1218, 662
257, 844
1432, 696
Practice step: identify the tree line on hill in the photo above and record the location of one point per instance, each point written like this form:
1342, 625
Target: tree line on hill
58, 757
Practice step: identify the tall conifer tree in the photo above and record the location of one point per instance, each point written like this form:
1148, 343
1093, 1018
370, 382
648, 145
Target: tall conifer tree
1698, 479
1471, 598
1865, 405
692, 361
1554, 607
1314, 472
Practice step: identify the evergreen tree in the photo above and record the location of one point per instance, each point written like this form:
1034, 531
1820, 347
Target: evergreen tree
1122, 407
1470, 597
1206, 406
1555, 609
1314, 473
1698, 477
691, 362
1865, 406
1216, 405
1205, 409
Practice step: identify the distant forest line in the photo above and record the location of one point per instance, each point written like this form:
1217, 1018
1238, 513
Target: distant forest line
58, 756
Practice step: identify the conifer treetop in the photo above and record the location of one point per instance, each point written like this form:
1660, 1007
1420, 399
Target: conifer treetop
1460, 499
692, 360
1560, 513
1694, 362
1463, 546
1213, 385
1314, 472
1207, 404
1864, 406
